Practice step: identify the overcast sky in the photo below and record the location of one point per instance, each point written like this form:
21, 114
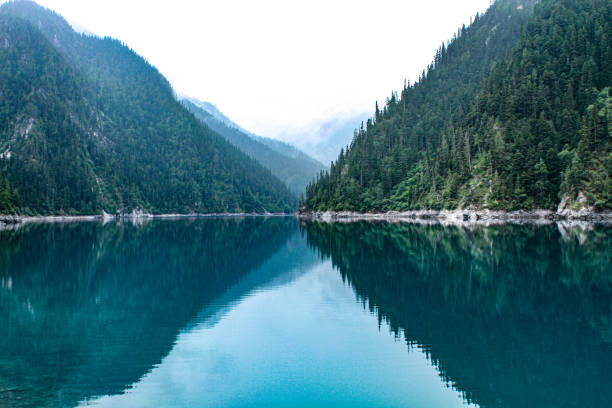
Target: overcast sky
275, 66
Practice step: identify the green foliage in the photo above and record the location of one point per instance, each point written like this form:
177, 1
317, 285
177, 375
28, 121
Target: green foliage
91, 126
514, 113
590, 169
9, 198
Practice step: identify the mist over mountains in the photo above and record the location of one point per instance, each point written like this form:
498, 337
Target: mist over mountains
325, 140
289, 164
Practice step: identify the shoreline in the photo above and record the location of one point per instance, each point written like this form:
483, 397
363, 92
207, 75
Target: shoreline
7, 220
464, 217
445, 217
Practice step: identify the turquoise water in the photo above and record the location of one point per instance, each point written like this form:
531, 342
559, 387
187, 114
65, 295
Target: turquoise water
260, 312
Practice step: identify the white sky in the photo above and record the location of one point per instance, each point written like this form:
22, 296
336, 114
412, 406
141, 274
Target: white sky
279, 66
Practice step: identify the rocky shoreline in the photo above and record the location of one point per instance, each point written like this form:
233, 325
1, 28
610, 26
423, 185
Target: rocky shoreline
17, 220
451, 217
463, 216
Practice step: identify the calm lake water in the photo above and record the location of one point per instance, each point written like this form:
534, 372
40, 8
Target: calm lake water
269, 313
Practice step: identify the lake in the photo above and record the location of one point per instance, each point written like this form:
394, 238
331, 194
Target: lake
268, 312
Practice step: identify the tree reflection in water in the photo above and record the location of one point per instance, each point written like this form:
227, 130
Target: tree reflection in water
512, 316
86, 310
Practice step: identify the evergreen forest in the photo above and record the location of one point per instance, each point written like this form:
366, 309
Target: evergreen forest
515, 112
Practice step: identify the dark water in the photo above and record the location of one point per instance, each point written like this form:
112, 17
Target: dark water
268, 313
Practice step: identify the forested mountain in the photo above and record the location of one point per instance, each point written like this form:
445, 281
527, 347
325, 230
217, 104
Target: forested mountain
88, 125
290, 165
513, 113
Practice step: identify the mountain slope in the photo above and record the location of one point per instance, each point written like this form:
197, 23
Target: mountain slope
287, 163
43, 109
91, 126
487, 129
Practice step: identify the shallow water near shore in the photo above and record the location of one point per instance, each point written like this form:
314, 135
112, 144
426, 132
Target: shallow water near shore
271, 312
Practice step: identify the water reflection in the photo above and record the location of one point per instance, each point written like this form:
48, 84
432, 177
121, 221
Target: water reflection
512, 316
306, 343
87, 309
241, 312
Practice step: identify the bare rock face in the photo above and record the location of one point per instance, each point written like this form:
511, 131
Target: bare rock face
579, 210
562, 204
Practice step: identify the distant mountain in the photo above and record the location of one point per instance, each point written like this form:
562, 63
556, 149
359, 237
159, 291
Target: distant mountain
88, 125
325, 141
514, 113
289, 164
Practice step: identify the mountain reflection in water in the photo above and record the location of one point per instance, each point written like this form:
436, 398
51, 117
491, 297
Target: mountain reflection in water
507, 316
88, 309
513, 316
